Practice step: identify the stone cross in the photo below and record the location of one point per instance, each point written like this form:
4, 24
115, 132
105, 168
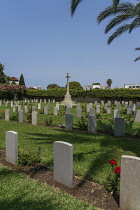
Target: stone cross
68, 76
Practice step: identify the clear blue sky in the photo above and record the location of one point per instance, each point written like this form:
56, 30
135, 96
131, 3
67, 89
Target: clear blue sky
40, 39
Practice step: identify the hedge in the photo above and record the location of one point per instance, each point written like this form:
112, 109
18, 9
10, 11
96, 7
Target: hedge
96, 93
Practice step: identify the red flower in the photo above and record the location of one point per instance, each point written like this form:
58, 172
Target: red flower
117, 170
113, 162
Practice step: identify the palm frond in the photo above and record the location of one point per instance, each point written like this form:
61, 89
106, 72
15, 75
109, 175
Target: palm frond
115, 4
118, 32
74, 4
116, 21
105, 13
138, 58
138, 48
121, 9
134, 24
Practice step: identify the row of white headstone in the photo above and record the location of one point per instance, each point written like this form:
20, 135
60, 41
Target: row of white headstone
63, 170
119, 122
6, 102
119, 125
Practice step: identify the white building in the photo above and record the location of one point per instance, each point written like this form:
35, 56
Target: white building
14, 80
133, 86
91, 87
37, 87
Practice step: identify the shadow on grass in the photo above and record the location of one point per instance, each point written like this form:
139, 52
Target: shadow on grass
107, 147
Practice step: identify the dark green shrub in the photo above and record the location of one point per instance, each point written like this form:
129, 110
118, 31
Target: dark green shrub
48, 122
29, 117
14, 117
82, 123
123, 110
29, 158
2, 114
105, 127
98, 115
41, 111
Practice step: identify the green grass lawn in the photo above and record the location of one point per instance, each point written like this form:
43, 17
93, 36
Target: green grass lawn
91, 152
18, 192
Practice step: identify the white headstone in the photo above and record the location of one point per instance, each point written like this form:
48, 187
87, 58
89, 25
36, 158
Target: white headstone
119, 129
92, 124
34, 117
69, 121
7, 114
116, 113
45, 109
39, 105
92, 112
137, 116
130, 183
55, 110
79, 112
19, 108
12, 147
97, 108
63, 163
11, 103
26, 108
67, 110
20, 116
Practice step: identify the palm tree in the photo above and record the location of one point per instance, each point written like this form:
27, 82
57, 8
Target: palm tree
127, 13
109, 82
75, 3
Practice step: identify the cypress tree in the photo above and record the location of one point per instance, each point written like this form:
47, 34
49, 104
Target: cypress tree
21, 80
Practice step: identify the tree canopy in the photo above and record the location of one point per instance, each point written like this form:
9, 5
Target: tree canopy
75, 85
21, 80
51, 86
97, 83
109, 82
3, 78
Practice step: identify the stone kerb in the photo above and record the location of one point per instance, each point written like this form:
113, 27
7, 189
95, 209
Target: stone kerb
12, 147
63, 163
130, 183
119, 129
69, 121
